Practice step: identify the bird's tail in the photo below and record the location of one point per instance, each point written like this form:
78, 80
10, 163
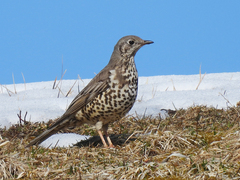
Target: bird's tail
46, 134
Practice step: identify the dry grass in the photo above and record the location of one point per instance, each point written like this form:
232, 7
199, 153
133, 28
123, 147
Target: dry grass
196, 143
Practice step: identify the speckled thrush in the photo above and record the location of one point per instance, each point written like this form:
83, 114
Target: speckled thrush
109, 95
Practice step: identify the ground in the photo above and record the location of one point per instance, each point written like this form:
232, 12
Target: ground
195, 143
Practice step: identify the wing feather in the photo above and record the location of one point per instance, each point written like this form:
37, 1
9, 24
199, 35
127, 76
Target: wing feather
92, 90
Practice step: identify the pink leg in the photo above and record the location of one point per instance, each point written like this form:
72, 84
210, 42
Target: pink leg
105, 128
102, 138
109, 140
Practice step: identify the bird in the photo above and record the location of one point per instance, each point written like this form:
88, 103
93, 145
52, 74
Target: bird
108, 97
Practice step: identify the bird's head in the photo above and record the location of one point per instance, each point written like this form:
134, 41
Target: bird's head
128, 46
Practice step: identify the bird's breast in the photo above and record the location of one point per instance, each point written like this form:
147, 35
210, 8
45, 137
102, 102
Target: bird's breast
116, 101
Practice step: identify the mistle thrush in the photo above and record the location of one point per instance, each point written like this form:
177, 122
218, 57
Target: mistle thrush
109, 95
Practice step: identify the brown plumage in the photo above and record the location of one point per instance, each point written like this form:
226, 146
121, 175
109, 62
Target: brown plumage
107, 97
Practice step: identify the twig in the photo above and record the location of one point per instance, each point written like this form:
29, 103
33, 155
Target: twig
70, 89
201, 78
24, 82
154, 92
14, 84
61, 84
8, 90
174, 106
61, 78
132, 135
80, 79
20, 118
230, 103
54, 83
173, 85
78, 83
59, 92
62, 74
56, 144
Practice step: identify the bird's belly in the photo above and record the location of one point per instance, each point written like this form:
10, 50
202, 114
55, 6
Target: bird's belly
110, 105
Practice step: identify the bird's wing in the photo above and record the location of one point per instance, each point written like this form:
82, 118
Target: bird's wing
96, 86
85, 96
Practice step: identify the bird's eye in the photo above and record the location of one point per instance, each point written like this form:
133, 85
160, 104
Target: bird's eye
131, 42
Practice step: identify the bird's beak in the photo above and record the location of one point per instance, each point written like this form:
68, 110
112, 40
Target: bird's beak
147, 42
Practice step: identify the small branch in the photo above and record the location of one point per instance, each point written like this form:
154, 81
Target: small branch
154, 92
230, 103
174, 89
201, 78
14, 84
8, 90
174, 106
78, 83
61, 75
22, 120
61, 84
70, 89
59, 92
54, 83
80, 79
61, 79
24, 82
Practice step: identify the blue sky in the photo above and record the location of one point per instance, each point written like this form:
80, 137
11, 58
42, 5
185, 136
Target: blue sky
35, 36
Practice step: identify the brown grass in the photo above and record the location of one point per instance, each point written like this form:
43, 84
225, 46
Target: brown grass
194, 143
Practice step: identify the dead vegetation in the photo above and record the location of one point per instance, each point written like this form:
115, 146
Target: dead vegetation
194, 143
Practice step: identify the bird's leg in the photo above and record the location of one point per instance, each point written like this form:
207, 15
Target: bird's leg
102, 138
105, 128
99, 126
109, 140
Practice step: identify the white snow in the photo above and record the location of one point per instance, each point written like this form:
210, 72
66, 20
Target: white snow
41, 101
